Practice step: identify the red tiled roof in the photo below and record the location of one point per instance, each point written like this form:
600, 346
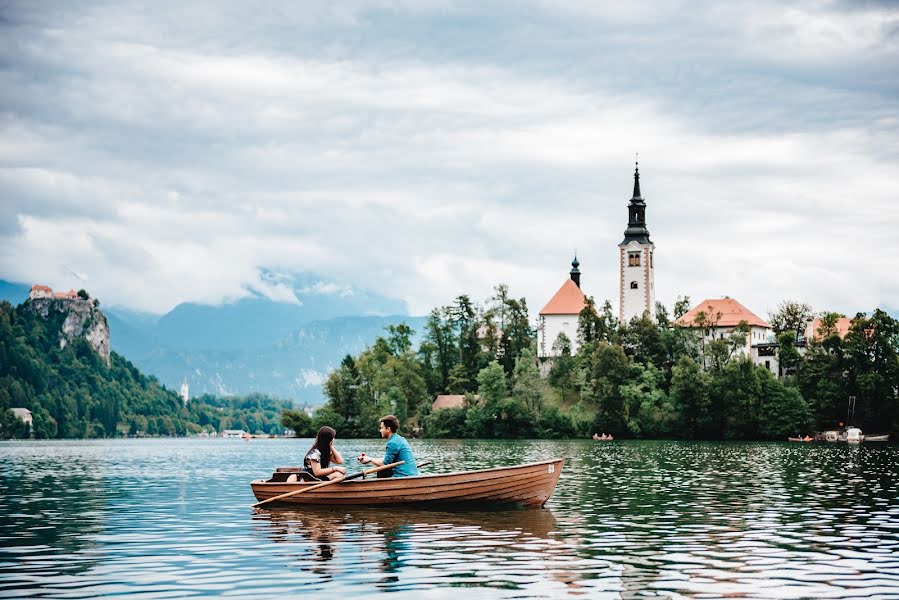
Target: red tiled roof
843, 324
731, 311
41, 288
449, 401
569, 300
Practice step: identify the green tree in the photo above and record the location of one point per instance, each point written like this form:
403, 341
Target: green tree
527, 386
299, 421
783, 411
651, 413
791, 317
691, 401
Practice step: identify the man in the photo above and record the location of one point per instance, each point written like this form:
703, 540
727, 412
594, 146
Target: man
397, 449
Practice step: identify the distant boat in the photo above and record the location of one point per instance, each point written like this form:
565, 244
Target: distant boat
799, 439
876, 438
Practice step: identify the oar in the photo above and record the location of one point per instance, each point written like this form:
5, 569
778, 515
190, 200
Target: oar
329, 482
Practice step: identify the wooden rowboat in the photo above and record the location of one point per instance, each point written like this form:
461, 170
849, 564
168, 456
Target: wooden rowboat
529, 484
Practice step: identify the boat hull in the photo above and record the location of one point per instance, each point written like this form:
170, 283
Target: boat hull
530, 484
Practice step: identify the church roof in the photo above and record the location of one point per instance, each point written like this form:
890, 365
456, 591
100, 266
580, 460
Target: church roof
569, 300
731, 311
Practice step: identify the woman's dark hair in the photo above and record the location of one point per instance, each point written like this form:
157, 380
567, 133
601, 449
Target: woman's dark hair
391, 423
323, 442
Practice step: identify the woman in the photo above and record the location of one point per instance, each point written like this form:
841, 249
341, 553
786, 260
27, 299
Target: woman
317, 461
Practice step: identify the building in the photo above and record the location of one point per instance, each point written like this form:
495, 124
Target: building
40, 291
24, 415
717, 318
450, 401
234, 433
185, 391
842, 327
560, 315
635, 259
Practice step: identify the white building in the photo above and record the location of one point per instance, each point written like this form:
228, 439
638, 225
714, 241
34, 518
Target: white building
717, 318
185, 391
234, 433
560, 315
636, 262
40, 291
24, 415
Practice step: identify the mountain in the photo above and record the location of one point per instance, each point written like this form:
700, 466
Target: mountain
294, 367
284, 348
14, 293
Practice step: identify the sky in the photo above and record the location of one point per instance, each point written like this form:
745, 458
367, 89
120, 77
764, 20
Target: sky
165, 152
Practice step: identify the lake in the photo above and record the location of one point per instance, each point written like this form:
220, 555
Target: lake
170, 518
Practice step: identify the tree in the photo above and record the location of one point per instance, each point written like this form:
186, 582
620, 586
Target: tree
399, 339
872, 358
651, 414
783, 411
611, 369
643, 343
527, 387
299, 421
492, 383
791, 316
561, 374
691, 401
789, 358
738, 388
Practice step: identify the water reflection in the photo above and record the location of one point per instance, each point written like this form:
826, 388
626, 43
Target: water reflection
405, 547
171, 518
51, 513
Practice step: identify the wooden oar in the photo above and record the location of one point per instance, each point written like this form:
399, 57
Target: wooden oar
329, 482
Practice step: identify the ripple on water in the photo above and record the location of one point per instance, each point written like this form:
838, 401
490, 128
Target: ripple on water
167, 518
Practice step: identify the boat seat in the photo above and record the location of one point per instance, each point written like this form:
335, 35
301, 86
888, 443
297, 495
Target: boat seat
282, 473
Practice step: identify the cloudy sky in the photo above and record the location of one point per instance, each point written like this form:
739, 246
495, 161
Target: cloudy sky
162, 152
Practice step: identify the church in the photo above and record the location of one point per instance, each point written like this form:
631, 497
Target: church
636, 283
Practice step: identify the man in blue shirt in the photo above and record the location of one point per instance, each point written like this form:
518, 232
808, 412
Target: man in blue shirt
397, 449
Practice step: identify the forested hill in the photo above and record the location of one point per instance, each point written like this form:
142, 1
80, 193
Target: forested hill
73, 393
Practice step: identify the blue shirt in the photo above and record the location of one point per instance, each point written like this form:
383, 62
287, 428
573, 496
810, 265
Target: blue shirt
398, 449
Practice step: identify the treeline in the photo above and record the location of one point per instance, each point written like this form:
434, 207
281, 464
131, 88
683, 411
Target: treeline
646, 378
72, 393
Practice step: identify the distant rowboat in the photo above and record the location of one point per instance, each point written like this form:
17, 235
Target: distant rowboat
529, 484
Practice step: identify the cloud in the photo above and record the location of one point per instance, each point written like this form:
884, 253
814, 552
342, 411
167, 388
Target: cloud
180, 152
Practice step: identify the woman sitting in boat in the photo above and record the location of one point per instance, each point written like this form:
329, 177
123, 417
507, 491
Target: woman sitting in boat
317, 461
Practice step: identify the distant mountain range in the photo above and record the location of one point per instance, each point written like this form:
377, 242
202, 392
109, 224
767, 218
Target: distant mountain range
255, 344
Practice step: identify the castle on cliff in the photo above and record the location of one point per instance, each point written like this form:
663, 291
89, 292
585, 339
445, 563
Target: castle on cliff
44, 291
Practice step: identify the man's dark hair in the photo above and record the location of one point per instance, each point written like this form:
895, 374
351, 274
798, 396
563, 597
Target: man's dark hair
391, 423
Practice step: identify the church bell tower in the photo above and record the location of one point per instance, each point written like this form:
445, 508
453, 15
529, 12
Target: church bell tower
636, 261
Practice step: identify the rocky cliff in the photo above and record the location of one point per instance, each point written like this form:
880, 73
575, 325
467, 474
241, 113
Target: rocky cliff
76, 317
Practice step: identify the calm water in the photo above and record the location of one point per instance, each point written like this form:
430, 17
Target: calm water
171, 518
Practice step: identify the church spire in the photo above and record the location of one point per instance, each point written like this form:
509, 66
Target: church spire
575, 272
636, 222
637, 180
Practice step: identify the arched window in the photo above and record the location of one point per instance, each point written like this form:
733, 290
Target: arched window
633, 285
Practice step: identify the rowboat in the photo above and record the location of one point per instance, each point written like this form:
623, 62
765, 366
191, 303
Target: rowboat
799, 439
529, 484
